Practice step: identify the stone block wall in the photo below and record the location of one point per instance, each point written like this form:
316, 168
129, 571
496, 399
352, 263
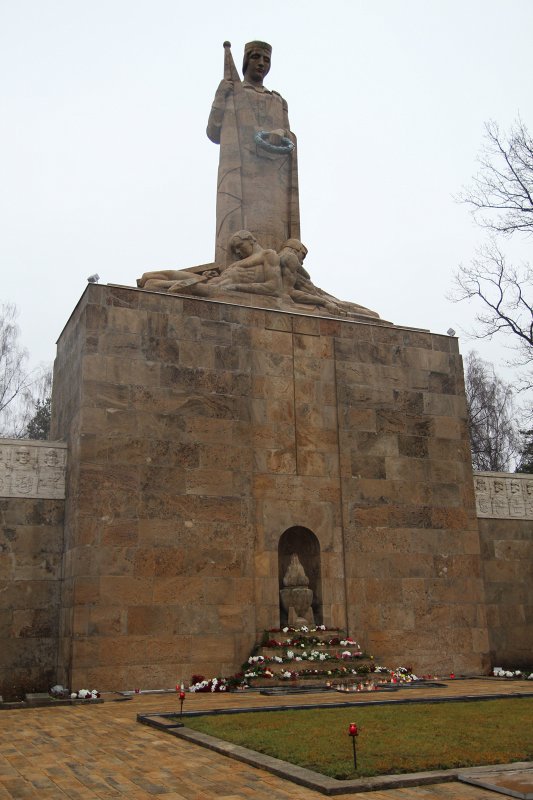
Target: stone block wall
201, 431
413, 571
31, 546
507, 558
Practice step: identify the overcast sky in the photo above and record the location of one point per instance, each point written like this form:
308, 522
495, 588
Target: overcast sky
105, 166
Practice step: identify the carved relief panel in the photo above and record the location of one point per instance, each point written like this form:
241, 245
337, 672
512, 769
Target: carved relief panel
32, 469
504, 495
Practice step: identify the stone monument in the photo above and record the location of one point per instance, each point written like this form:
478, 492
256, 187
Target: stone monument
222, 417
258, 249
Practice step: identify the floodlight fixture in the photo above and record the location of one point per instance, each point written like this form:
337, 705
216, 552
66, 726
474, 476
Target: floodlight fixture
450, 332
93, 278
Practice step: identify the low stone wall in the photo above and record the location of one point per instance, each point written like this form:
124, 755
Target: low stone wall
507, 558
31, 546
505, 518
32, 481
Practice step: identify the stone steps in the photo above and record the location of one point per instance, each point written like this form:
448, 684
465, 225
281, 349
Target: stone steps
313, 657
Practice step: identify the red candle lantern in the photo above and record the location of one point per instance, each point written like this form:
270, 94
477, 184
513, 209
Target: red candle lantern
181, 697
353, 732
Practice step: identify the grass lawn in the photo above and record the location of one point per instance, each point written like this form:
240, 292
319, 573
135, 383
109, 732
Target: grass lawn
392, 739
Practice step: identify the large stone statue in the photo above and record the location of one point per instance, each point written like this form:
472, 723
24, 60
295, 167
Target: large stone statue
257, 187
258, 248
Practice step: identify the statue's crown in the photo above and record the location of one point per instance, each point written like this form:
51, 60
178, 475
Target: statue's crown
257, 46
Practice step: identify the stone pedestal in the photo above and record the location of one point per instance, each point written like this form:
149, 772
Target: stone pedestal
200, 431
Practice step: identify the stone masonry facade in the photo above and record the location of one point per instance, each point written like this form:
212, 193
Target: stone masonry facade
199, 432
205, 442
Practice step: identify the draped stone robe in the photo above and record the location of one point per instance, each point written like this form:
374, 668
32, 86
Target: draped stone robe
257, 190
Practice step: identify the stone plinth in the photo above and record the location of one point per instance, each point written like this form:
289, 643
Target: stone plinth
200, 431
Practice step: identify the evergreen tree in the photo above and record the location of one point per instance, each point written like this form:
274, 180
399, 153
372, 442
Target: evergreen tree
525, 463
39, 425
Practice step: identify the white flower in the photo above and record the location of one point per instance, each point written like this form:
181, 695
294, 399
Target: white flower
298, 658
304, 629
286, 674
322, 656
346, 654
73, 695
278, 659
285, 630
290, 654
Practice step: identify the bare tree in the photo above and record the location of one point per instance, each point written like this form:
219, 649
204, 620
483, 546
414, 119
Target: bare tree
20, 389
13, 373
501, 194
506, 294
501, 199
494, 438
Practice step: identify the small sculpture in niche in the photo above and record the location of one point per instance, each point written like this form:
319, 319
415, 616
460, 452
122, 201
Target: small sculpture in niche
296, 596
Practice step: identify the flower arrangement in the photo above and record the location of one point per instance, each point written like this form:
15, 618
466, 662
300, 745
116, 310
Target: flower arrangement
517, 674
303, 629
403, 675
201, 684
85, 694
60, 692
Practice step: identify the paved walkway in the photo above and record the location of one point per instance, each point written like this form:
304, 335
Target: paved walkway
101, 751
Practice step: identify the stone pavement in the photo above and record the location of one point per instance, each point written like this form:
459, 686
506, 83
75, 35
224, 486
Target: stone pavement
101, 751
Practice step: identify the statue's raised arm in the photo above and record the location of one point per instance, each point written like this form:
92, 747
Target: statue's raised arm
257, 187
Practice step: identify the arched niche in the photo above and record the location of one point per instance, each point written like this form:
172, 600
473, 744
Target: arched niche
305, 544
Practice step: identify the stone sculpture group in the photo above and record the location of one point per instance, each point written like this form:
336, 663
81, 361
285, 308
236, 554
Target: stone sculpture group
258, 249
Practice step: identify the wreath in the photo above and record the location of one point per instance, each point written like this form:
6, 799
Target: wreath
286, 146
